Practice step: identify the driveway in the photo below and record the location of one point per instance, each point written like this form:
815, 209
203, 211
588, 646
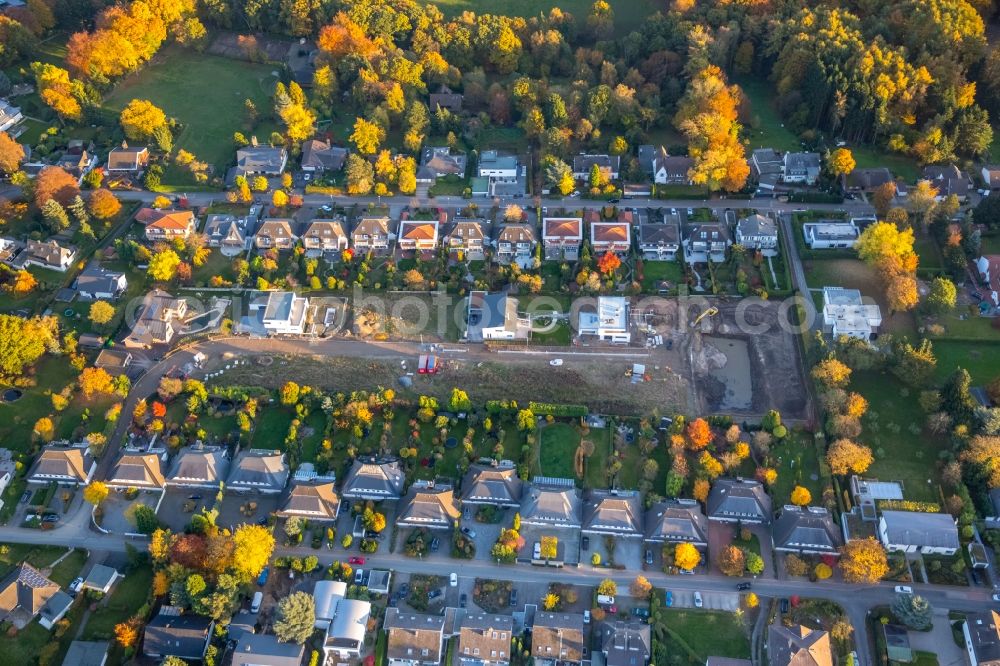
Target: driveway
725, 601
118, 510
720, 535
938, 640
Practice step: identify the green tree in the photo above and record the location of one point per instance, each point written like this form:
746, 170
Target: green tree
943, 295
913, 611
296, 618
55, 216
459, 401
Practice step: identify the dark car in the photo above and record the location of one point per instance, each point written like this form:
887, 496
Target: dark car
641, 613
434, 594
743, 587
194, 497
50, 518
585, 543
513, 597
463, 600
783, 605
404, 589
649, 556
435, 544
613, 201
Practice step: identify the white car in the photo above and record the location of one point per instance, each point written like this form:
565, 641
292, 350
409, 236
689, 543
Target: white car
556, 362
454, 579
903, 589
76, 585
698, 603
586, 617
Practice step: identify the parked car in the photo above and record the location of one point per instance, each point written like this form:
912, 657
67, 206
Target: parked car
649, 556
463, 600
435, 544
264, 573
258, 597
467, 512
194, 497
698, 603
469, 532
903, 589
669, 599
585, 543
586, 617
641, 613
513, 596
536, 551
404, 589
26, 496
76, 585
356, 560
359, 576
783, 605
743, 587
453, 579
50, 518
996, 597
614, 201
556, 362
434, 594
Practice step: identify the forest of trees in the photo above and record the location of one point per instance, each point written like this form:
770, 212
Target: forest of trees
913, 77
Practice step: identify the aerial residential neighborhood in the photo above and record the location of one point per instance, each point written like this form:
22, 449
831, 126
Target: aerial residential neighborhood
458, 333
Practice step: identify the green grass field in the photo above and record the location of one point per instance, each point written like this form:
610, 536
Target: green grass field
557, 444
204, 93
765, 127
982, 359
704, 633
629, 14
126, 598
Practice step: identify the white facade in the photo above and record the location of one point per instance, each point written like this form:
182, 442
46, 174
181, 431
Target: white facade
9, 115
846, 313
610, 322
991, 176
830, 235
918, 532
285, 313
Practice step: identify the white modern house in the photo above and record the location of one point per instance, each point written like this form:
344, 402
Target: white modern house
610, 322
829, 234
918, 532
9, 115
285, 313
846, 313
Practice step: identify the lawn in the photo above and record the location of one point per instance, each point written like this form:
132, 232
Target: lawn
655, 272
765, 127
970, 328
796, 457
901, 454
981, 359
597, 463
271, 428
17, 419
628, 16
557, 445
128, 595
694, 635
39, 557
561, 334
30, 644
205, 93
64, 572
855, 274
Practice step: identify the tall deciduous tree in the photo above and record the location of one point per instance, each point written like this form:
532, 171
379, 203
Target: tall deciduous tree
864, 561
141, 118
11, 154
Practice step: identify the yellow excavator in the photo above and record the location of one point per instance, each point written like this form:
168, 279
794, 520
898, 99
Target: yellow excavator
710, 312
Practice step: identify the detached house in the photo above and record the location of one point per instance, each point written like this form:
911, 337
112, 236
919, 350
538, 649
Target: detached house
516, 242
948, 180
798, 646
283, 313
845, 312
137, 470
677, 521
466, 236
10, 115
991, 176
314, 501
199, 467
258, 470
319, 156
552, 505
418, 235
264, 160
322, 236
609, 166
609, 322
562, 237
23, 594
757, 232
918, 532
127, 160
485, 640
557, 639
865, 180
49, 254
615, 513
374, 480
371, 234
626, 643
428, 505
659, 242
228, 233
438, 161
830, 234
670, 169
739, 501
413, 639
705, 242
77, 162
494, 485
806, 531
445, 98
801, 168
266, 650
165, 225
981, 631
97, 282
171, 634
495, 317
275, 233
767, 165
615, 237
160, 318
64, 463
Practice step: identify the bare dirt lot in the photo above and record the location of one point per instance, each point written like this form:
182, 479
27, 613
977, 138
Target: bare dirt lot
598, 382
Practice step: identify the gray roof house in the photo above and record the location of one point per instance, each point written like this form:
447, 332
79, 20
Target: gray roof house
756, 232
428, 505
97, 282
659, 242
948, 180
228, 233
87, 653
160, 319
266, 650
101, 578
446, 99
767, 167
609, 166
439, 161
865, 180
49, 254
801, 168
671, 169
613, 512
199, 467
374, 479
258, 470
170, 634
982, 637
916, 531
626, 643
313, 500
496, 485
806, 530
484, 640
494, 317
414, 639
739, 500
552, 505
254, 159
677, 521
321, 156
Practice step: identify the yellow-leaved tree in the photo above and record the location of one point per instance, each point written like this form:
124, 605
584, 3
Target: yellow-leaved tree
863, 561
252, 548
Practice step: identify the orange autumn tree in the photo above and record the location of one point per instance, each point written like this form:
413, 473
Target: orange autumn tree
608, 263
699, 434
707, 116
344, 37
127, 632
